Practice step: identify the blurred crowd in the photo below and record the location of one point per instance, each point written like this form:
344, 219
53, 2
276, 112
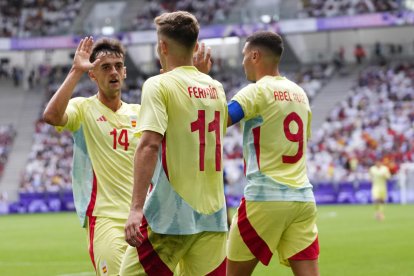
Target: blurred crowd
24, 18
7, 135
331, 8
375, 122
206, 11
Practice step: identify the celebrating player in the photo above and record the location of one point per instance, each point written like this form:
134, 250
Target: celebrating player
184, 115
102, 127
278, 211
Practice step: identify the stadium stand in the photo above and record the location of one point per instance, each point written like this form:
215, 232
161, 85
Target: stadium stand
207, 12
373, 122
25, 18
331, 8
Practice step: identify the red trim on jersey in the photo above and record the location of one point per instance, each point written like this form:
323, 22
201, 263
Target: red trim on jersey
92, 201
244, 166
220, 270
256, 140
309, 253
251, 238
164, 155
148, 257
92, 222
92, 219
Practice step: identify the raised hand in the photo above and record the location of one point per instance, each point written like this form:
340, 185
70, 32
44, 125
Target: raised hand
202, 60
82, 54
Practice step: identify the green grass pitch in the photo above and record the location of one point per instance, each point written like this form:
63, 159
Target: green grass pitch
352, 243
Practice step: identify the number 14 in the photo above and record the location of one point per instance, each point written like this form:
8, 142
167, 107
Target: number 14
122, 139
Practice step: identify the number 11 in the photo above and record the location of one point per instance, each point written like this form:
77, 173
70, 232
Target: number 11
213, 126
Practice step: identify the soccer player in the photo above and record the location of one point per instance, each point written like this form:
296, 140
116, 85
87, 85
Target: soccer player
278, 211
183, 120
379, 175
104, 148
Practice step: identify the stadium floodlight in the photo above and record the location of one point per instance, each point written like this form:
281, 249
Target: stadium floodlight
108, 30
409, 4
265, 18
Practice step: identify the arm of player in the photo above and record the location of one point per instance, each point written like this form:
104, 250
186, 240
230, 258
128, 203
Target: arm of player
202, 59
144, 164
54, 113
235, 113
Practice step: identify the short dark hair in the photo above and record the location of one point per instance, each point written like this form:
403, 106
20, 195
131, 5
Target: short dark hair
180, 26
108, 46
269, 40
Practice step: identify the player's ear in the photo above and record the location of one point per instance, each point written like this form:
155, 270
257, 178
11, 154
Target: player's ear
255, 56
125, 72
163, 47
91, 75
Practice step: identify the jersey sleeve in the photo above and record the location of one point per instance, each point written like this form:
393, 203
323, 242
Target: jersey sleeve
153, 113
74, 112
247, 98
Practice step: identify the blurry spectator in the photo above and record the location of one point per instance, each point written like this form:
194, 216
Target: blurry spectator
7, 135
359, 53
338, 61
17, 75
378, 50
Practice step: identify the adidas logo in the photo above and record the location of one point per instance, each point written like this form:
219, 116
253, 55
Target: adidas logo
102, 119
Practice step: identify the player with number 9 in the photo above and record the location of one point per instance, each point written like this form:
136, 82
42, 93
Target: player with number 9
278, 211
104, 148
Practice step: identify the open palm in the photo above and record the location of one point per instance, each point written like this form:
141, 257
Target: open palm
82, 54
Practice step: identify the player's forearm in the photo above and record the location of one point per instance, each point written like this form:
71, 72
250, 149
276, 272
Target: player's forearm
54, 113
144, 164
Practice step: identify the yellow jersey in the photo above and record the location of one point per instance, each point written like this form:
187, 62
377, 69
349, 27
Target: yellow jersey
104, 148
276, 127
189, 109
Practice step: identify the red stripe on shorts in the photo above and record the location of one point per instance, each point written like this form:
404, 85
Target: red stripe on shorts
254, 242
151, 262
220, 270
164, 155
92, 222
309, 253
256, 141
